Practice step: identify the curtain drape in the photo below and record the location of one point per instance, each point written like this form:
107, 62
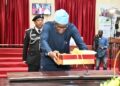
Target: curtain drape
82, 14
2, 20
16, 19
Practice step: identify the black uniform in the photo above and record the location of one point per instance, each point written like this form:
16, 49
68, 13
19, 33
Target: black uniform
31, 49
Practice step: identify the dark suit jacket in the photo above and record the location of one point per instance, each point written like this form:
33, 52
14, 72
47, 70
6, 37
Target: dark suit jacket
31, 48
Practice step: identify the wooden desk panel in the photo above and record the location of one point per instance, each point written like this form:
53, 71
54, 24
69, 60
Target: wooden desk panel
61, 78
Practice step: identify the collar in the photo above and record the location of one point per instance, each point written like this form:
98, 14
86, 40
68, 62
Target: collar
38, 29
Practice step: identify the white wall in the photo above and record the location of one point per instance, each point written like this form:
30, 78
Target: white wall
112, 3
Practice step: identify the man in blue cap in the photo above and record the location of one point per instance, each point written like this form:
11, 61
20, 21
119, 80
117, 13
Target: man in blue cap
55, 39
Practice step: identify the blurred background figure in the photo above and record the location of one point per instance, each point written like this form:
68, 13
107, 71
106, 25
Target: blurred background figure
100, 46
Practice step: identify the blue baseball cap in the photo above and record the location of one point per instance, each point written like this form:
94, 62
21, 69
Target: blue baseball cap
61, 17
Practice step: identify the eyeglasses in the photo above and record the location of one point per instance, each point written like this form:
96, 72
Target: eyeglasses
61, 26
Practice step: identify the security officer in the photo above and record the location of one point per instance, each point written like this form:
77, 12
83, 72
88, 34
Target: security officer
31, 48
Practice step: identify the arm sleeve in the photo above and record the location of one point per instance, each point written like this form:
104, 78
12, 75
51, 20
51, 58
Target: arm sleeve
95, 42
44, 39
93, 46
78, 40
106, 43
25, 45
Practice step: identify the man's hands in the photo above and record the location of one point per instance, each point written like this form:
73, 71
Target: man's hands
102, 47
54, 55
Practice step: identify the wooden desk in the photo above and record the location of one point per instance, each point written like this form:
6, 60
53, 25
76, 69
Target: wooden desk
61, 78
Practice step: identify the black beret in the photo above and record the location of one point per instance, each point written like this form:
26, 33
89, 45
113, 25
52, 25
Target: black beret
38, 16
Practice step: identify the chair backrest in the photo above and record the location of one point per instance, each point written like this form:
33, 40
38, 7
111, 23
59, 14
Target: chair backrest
114, 46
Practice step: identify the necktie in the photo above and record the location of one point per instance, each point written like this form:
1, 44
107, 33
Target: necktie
39, 31
39, 40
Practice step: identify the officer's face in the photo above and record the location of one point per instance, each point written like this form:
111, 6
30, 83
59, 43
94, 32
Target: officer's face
39, 22
61, 28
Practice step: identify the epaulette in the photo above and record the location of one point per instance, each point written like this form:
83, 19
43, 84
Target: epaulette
29, 29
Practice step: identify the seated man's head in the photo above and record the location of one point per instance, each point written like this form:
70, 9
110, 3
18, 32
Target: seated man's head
38, 20
61, 20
